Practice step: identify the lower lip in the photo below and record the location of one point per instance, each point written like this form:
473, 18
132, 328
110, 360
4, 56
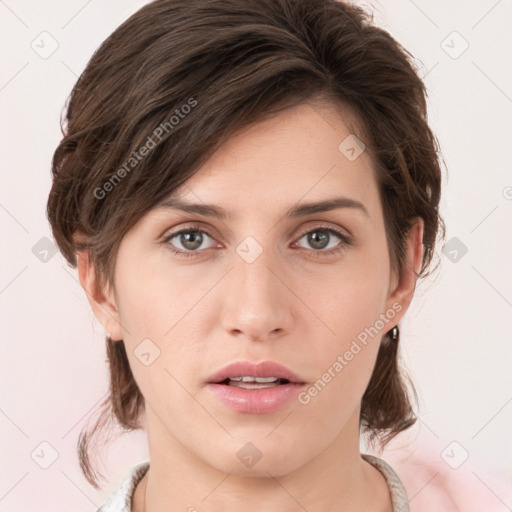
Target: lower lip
256, 401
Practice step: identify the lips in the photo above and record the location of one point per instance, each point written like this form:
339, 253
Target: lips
251, 373
255, 388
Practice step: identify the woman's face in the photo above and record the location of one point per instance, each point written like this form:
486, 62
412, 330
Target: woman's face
259, 284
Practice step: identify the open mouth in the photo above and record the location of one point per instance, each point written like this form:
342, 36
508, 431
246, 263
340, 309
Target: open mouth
255, 388
254, 382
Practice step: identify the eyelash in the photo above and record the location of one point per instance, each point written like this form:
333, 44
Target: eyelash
345, 241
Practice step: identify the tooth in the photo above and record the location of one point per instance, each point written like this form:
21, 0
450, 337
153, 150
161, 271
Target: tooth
259, 379
253, 385
253, 379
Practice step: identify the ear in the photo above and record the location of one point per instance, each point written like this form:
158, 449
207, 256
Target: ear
402, 287
102, 302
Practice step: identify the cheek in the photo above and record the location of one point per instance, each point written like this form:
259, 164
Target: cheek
156, 309
155, 296
351, 304
164, 313
344, 361
355, 293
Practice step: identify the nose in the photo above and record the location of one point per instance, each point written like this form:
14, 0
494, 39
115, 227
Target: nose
258, 304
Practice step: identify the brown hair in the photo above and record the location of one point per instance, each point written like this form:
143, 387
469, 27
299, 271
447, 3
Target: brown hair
230, 63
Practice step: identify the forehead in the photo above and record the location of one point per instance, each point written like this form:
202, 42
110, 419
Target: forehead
298, 156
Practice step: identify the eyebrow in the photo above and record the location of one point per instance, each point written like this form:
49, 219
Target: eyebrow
300, 210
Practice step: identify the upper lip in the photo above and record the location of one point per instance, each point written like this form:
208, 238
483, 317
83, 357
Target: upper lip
250, 369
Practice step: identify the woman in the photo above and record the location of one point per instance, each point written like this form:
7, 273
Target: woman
250, 190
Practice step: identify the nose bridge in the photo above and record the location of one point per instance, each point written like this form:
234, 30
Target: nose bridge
256, 306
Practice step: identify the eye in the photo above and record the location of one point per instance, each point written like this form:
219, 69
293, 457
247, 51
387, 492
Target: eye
191, 240
321, 240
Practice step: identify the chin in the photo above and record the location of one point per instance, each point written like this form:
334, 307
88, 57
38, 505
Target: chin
258, 459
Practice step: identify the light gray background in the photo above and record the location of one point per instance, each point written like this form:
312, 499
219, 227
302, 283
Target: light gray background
456, 337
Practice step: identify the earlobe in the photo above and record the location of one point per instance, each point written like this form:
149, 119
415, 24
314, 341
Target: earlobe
406, 283
104, 307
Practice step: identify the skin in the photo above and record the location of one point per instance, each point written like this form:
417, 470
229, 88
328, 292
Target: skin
293, 305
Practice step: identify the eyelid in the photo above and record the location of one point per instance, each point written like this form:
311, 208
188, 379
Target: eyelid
344, 233
170, 233
346, 241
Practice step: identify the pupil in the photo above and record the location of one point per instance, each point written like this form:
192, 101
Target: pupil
187, 237
318, 239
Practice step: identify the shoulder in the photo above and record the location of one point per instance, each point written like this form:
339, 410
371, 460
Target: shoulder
435, 480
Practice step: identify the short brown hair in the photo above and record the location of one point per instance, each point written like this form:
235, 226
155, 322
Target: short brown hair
235, 62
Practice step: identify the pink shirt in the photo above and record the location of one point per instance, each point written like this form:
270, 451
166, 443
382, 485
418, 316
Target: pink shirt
445, 480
